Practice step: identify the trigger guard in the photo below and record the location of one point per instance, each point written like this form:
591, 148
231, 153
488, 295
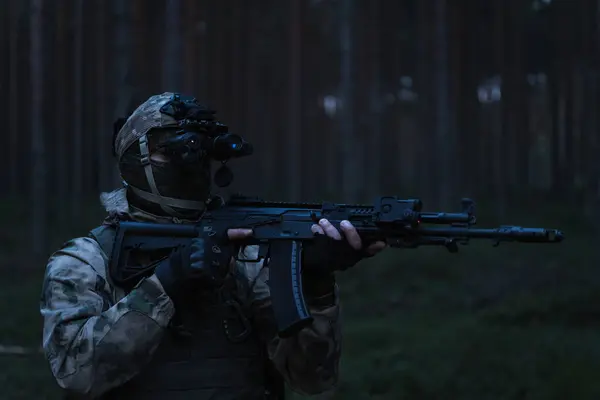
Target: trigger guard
263, 253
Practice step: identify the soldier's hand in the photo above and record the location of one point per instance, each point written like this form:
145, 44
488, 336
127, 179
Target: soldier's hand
203, 265
211, 257
332, 250
349, 232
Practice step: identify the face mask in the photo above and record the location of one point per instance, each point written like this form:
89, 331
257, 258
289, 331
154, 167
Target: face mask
187, 181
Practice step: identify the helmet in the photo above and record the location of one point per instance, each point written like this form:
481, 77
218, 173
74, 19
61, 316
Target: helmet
188, 137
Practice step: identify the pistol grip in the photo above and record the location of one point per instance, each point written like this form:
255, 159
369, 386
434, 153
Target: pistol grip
285, 284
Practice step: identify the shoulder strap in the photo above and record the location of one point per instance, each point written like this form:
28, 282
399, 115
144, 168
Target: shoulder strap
105, 236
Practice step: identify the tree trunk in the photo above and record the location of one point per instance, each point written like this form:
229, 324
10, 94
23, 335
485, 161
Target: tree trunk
347, 138
375, 132
560, 84
103, 136
426, 176
78, 130
520, 94
200, 36
38, 178
499, 140
444, 142
472, 169
15, 8
190, 47
237, 49
122, 67
246, 168
88, 98
219, 46
568, 134
591, 120
293, 143
172, 72
62, 126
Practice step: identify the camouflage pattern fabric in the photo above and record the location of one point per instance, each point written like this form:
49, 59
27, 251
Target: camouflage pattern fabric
96, 338
146, 117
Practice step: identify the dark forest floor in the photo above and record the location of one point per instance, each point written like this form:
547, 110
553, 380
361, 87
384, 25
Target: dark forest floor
513, 322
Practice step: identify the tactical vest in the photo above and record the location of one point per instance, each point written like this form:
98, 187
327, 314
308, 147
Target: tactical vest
210, 351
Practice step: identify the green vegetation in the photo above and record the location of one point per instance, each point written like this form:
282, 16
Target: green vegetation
514, 322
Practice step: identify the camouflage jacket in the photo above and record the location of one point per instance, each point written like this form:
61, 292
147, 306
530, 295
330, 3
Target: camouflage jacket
96, 337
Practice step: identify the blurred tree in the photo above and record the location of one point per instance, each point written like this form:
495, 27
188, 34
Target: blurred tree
444, 143
123, 87
238, 55
62, 125
351, 167
515, 95
38, 193
499, 142
590, 12
323, 98
172, 71
375, 138
77, 111
89, 100
560, 94
467, 74
424, 184
193, 44
218, 49
264, 91
294, 129
15, 17
102, 125
254, 97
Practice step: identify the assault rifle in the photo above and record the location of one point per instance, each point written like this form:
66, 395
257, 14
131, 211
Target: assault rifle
280, 229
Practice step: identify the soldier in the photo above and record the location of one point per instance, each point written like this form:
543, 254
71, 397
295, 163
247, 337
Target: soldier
174, 333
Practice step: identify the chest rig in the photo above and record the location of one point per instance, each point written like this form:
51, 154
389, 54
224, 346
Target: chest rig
211, 350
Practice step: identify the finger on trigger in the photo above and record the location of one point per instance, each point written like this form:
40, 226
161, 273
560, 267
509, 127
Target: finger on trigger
376, 247
351, 234
330, 230
380, 244
239, 233
316, 229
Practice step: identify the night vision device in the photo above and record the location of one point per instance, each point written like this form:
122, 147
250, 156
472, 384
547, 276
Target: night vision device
191, 147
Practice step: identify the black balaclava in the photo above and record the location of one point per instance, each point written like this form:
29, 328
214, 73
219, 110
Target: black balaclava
188, 182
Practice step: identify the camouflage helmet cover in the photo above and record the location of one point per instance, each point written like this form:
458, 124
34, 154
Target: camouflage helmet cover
146, 117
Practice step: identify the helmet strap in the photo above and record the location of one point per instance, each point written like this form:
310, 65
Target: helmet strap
165, 203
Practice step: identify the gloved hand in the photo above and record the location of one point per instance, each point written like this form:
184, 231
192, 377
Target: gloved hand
202, 266
329, 253
186, 268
